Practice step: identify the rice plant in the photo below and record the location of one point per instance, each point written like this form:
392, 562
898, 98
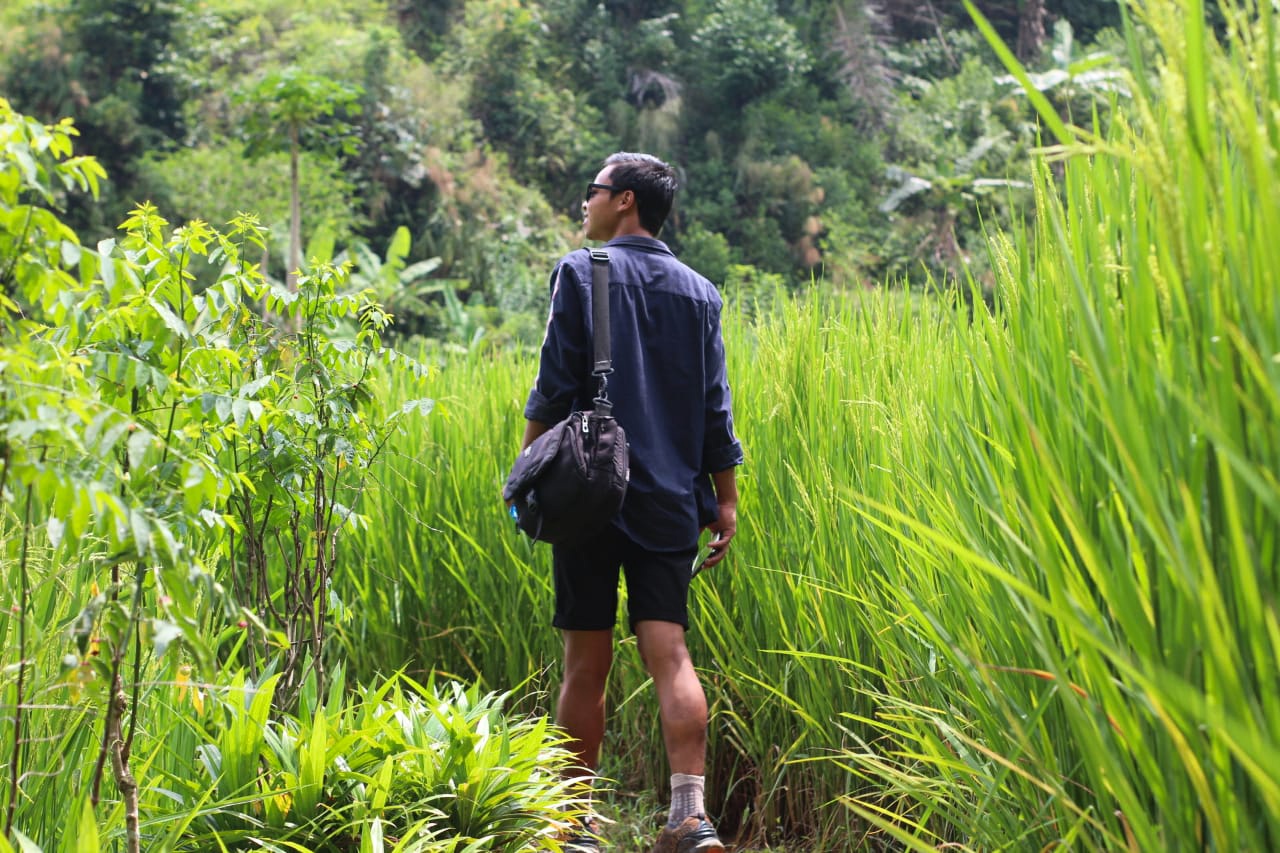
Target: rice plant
1005, 579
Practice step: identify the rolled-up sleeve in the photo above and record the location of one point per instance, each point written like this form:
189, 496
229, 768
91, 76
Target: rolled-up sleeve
563, 359
720, 448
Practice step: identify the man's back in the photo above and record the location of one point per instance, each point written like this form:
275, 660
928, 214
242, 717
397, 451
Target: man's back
668, 387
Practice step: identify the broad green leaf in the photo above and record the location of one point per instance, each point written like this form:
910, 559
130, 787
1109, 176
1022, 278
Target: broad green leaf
159, 380
311, 772
140, 527
382, 785
250, 389
422, 406
399, 246
107, 268
55, 528
371, 837
138, 444
163, 633
84, 838
25, 844
81, 513
171, 320
417, 270
320, 249
27, 167
70, 253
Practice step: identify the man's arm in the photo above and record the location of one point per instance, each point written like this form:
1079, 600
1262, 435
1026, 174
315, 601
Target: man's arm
725, 527
564, 358
561, 359
721, 453
533, 429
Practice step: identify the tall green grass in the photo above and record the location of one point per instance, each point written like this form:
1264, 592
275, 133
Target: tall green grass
1003, 579
436, 582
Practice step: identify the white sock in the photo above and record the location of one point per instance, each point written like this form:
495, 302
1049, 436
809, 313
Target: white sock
686, 797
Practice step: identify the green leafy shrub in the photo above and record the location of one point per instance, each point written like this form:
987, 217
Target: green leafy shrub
432, 766
187, 461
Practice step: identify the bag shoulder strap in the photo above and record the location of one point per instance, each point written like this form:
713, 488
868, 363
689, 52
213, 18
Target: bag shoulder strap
600, 315
602, 334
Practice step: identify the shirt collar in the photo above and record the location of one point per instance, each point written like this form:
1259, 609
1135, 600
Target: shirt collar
644, 244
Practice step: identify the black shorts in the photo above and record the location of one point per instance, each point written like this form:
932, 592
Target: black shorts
586, 577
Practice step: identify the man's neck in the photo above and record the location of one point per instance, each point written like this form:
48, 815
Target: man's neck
629, 229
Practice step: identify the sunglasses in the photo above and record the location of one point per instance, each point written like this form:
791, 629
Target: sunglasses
591, 189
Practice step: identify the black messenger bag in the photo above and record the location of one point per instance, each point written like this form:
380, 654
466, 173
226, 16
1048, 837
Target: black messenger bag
570, 482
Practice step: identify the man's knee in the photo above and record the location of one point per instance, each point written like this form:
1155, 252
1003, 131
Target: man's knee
661, 645
586, 677
588, 657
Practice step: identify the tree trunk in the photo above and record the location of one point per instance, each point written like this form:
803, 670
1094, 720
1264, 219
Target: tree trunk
125, 783
19, 696
295, 213
1031, 30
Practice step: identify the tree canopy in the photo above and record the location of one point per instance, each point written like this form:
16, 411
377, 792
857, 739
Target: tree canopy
859, 142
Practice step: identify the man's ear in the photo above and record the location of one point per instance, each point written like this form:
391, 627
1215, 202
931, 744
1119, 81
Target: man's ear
627, 199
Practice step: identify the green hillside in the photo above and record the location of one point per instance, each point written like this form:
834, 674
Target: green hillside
860, 143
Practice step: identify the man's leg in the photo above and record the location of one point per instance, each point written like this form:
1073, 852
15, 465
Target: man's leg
588, 655
586, 582
683, 708
682, 703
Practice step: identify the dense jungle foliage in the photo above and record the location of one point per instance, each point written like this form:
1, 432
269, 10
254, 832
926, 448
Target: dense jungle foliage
1005, 576
859, 142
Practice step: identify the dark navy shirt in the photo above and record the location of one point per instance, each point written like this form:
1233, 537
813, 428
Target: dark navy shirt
669, 388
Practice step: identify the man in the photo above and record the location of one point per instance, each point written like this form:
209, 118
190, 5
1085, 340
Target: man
670, 393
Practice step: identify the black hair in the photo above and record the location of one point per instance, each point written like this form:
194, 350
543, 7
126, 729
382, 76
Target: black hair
652, 181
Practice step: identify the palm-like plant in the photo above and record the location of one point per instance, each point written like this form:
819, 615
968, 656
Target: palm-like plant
400, 287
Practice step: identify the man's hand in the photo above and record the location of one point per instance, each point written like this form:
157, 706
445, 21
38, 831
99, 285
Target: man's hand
725, 527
